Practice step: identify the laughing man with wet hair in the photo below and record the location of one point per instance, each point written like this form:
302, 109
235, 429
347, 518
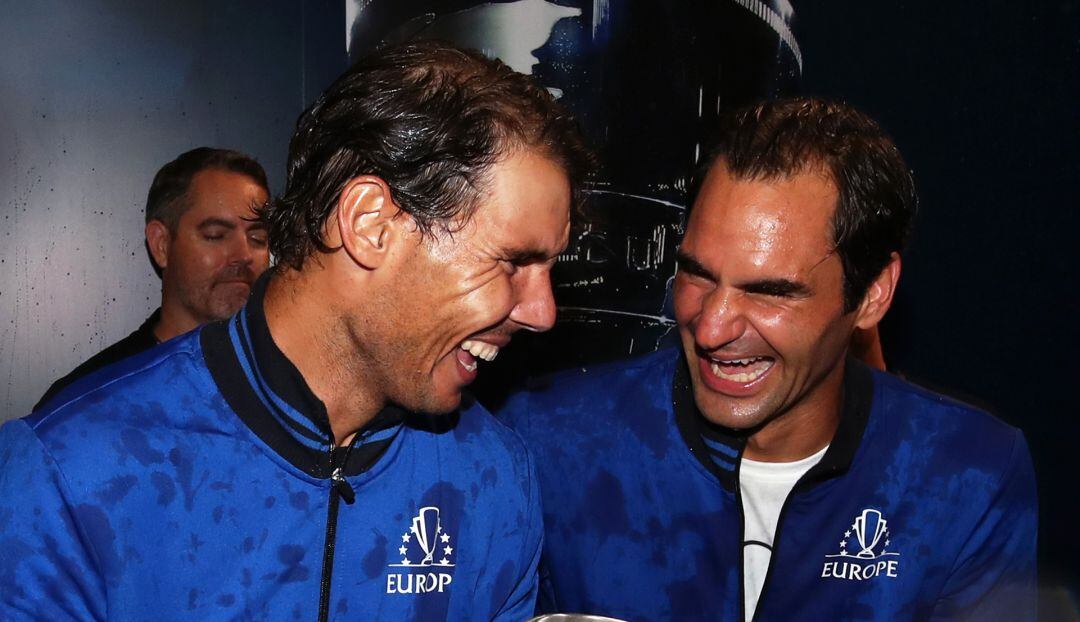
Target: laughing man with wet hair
316, 456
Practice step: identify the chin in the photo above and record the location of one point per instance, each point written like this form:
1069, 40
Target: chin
434, 405
733, 417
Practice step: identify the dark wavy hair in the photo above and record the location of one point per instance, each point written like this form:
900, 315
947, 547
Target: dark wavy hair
166, 200
877, 201
430, 120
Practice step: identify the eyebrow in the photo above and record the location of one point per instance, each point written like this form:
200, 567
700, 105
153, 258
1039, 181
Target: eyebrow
775, 287
228, 224
686, 263
770, 287
217, 222
527, 256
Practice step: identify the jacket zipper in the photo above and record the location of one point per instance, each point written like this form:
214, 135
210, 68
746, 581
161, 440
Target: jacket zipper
801, 484
339, 489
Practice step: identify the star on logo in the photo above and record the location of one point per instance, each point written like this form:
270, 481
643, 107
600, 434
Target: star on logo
405, 538
448, 550
843, 544
847, 534
445, 538
403, 550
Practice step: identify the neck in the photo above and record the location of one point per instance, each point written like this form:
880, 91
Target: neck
174, 320
805, 429
307, 328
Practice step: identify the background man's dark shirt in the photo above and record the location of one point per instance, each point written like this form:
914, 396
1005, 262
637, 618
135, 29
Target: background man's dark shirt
142, 339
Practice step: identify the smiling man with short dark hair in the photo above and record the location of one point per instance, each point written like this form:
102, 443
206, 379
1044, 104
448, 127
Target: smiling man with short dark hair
758, 472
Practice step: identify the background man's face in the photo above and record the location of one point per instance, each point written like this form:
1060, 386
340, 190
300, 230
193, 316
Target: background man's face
474, 287
215, 254
759, 297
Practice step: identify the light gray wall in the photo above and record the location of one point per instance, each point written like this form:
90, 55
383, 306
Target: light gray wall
94, 97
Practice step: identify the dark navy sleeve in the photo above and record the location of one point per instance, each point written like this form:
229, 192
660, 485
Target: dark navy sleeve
522, 601
994, 577
48, 570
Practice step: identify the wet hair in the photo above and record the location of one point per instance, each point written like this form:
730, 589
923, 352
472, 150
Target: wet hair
787, 137
167, 200
430, 120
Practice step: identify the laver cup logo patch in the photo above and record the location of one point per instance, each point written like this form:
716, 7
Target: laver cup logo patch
427, 552
864, 551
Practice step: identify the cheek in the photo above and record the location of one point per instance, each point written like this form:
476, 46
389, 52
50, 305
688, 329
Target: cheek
496, 298
202, 257
792, 331
261, 260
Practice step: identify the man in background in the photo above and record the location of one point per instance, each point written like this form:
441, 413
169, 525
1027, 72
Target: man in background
759, 472
205, 243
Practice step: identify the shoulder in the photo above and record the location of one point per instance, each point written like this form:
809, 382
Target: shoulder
136, 390
595, 388
950, 439
138, 341
575, 418
478, 432
934, 415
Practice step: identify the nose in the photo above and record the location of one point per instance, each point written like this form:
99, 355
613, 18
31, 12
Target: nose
721, 320
535, 308
242, 252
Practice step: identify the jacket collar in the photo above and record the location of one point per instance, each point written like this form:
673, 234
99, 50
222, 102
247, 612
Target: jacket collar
271, 397
707, 440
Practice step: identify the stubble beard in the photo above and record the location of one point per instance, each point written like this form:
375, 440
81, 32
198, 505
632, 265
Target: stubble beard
385, 359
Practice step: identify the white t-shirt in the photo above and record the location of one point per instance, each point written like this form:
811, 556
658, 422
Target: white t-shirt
764, 487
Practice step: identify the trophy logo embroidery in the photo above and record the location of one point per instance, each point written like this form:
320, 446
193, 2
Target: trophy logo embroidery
427, 553
864, 550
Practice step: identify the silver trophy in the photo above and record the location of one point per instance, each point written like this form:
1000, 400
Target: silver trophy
572, 617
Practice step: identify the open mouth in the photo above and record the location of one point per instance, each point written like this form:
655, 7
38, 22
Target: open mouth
472, 350
481, 349
742, 370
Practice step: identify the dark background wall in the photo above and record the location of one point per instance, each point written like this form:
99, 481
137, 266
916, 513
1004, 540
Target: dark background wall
982, 99
95, 96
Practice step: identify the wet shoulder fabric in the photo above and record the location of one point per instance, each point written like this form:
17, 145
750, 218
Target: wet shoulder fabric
921, 508
152, 497
140, 340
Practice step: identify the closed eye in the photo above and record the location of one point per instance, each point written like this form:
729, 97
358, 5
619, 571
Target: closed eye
778, 288
691, 267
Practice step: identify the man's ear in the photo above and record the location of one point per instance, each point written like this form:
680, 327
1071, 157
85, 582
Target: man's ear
158, 240
879, 296
366, 215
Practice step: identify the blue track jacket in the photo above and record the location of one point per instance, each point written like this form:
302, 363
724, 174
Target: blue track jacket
197, 481
921, 508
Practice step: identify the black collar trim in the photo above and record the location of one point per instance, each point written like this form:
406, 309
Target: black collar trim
146, 330
715, 447
272, 398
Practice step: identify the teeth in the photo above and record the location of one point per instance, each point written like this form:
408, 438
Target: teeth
470, 368
741, 377
481, 350
748, 361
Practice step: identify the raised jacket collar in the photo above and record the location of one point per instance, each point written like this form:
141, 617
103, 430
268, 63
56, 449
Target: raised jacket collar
272, 398
705, 439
